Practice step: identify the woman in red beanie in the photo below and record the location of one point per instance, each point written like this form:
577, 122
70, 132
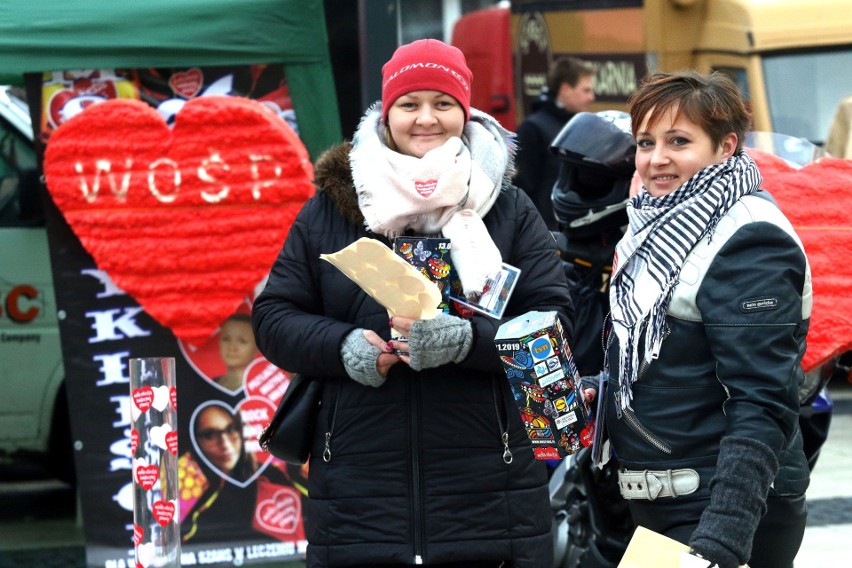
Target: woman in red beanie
419, 454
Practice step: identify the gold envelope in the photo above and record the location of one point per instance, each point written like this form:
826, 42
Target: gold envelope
649, 549
387, 278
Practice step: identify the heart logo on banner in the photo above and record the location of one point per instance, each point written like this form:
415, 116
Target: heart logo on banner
189, 220
280, 513
254, 413
817, 201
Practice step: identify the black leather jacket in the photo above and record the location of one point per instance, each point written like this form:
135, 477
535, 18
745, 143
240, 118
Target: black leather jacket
731, 365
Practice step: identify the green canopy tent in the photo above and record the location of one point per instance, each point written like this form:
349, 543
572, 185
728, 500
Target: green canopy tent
53, 35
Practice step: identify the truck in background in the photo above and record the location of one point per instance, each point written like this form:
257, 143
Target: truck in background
790, 57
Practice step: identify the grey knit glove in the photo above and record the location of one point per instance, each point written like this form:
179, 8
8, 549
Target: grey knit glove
436, 342
744, 472
359, 359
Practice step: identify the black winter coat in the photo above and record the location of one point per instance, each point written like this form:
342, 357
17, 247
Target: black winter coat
418, 470
538, 167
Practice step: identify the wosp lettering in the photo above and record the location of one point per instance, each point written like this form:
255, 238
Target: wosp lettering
164, 177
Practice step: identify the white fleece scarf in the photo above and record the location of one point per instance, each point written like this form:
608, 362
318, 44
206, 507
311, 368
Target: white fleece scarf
446, 191
662, 231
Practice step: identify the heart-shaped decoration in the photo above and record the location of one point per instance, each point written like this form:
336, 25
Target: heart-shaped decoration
265, 380
172, 443
138, 534
161, 398
189, 220
187, 83
225, 438
163, 511
173, 397
146, 475
142, 398
158, 435
145, 554
817, 200
280, 512
134, 441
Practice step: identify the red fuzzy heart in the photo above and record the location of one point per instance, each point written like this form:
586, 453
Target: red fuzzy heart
818, 202
188, 220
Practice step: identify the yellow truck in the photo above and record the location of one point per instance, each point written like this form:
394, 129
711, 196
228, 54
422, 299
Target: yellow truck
791, 58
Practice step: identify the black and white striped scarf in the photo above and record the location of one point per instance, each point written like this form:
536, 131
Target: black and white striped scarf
661, 233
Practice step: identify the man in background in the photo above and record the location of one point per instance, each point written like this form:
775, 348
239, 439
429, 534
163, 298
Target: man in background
569, 90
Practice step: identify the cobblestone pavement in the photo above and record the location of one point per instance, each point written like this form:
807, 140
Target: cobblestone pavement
35, 536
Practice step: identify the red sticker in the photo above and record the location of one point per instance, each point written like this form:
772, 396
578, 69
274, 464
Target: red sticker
172, 442
147, 476
173, 397
163, 512
134, 441
143, 398
138, 534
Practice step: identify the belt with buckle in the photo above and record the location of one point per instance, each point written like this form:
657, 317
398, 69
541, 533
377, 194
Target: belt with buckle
648, 484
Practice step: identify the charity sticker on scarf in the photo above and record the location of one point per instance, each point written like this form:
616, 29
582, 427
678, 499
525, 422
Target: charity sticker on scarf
387, 278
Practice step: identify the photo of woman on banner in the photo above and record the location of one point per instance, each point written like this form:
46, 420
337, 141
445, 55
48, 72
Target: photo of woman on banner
225, 491
219, 434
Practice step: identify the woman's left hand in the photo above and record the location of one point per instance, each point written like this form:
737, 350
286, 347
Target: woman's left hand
400, 346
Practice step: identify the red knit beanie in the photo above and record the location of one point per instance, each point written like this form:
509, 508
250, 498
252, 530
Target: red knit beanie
426, 64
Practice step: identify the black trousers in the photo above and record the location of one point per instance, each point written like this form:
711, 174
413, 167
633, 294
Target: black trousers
776, 541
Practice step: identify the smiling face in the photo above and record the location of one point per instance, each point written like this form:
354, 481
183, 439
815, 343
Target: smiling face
420, 121
672, 149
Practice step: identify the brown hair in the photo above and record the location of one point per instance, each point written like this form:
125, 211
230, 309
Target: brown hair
567, 70
712, 101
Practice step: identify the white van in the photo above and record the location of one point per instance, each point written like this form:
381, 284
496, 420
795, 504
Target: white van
33, 405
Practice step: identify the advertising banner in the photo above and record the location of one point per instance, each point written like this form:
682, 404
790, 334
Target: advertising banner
237, 504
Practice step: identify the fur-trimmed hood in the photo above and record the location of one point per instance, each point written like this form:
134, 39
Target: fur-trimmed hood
334, 176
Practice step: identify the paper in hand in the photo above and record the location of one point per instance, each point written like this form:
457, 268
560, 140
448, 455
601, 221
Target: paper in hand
387, 278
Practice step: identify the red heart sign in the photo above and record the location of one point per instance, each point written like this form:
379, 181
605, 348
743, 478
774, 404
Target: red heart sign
172, 442
147, 476
163, 512
187, 83
134, 441
818, 202
188, 220
143, 398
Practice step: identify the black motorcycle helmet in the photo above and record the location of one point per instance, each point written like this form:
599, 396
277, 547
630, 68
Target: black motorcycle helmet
596, 152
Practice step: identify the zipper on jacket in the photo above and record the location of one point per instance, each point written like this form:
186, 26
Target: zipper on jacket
417, 492
332, 415
504, 429
630, 417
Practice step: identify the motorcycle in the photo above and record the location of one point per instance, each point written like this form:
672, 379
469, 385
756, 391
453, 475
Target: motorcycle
592, 523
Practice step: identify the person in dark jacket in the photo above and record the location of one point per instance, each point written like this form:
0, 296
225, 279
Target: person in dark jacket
419, 455
569, 90
710, 303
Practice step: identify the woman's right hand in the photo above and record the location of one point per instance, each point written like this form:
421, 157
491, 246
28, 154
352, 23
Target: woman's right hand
387, 357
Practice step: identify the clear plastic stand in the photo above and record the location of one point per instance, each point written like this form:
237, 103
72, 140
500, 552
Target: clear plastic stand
153, 445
